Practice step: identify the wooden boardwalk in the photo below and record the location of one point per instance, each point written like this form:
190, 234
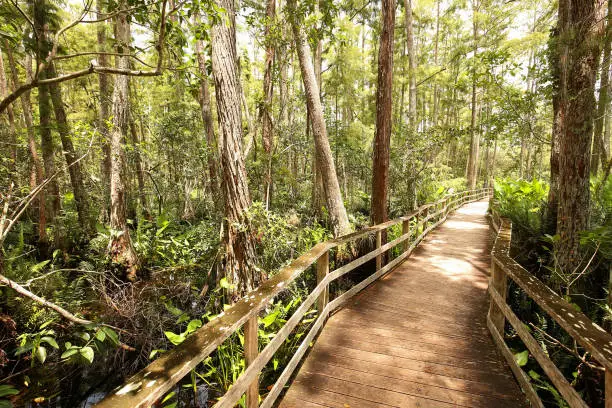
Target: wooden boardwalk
418, 336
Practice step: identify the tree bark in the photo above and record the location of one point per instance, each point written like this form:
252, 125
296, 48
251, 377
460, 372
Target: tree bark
120, 246
576, 129
600, 148
240, 256
26, 107
74, 168
472, 166
137, 145
207, 118
12, 132
104, 110
44, 111
267, 136
325, 161
384, 106
412, 89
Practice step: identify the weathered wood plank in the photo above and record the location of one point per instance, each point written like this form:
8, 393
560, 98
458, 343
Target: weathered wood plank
394, 371
405, 386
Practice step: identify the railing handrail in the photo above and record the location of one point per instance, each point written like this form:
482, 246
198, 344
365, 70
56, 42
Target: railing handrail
152, 382
589, 335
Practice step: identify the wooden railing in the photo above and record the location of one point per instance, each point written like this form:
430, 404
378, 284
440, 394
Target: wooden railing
147, 386
586, 333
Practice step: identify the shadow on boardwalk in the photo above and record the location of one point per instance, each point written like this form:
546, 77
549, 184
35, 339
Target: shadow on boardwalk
418, 336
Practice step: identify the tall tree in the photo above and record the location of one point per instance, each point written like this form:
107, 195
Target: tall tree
581, 36
384, 105
38, 171
120, 246
74, 166
104, 101
410, 49
600, 144
267, 136
41, 26
325, 162
472, 165
240, 257
10, 116
206, 112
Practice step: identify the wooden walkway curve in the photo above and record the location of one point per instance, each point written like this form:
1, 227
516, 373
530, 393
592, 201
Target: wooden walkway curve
416, 337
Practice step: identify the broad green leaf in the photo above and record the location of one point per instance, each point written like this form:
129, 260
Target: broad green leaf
39, 266
50, 341
100, 335
41, 354
112, 335
175, 339
70, 352
87, 353
522, 358
194, 325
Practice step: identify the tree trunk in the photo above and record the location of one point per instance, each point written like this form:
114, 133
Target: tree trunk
44, 111
435, 91
384, 105
412, 91
104, 99
12, 132
137, 145
600, 153
26, 107
558, 68
120, 247
472, 166
207, 118
325, 161
576, 131
240, 256
74, 168
267, 136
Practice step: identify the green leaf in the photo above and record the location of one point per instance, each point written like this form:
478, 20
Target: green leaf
155, 352
50, 341
70, 352
167, 397
269, 319
112, 335
41, 354
175, 339
100, 335
522, 358
6, 404
534, 375
6, 390
194, 325
38, 267
184, 317
87, 353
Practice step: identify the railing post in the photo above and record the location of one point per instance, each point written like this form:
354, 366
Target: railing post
378, 245
406, 230
322, 271
251, 350
499, 282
